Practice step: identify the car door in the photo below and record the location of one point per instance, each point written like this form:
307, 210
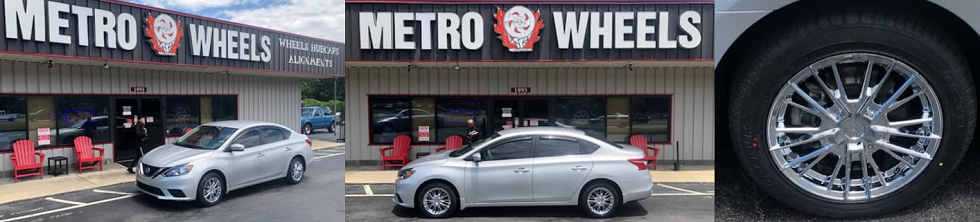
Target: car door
279, 152
244, 168
560, 168
504, 174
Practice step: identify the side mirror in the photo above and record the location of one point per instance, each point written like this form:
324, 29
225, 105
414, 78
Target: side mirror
475, 158
237, 147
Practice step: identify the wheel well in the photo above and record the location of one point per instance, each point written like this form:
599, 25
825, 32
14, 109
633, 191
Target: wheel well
602, 180
426, 183
773, 22
224, 180
301, 158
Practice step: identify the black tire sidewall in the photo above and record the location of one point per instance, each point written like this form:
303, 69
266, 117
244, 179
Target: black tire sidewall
453, 207
307, 129
940, 67
584, 198
200, 190
289, 171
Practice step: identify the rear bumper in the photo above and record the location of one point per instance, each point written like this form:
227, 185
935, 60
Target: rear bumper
637, 188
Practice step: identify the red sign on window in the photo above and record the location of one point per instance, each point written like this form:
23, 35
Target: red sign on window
520, 90
137, 89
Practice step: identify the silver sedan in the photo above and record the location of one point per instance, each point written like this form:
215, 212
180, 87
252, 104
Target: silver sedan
538, 166
215, 158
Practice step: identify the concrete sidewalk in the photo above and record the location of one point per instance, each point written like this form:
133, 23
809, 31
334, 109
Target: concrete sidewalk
658, 176
32, 187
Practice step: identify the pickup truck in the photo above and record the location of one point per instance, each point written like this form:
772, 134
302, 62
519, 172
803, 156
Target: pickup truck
316, 118
7, 117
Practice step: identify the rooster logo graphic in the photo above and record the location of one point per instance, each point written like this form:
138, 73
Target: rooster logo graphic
164, 33
518, 28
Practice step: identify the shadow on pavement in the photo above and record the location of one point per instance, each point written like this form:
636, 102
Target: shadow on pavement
184, 206
631, 209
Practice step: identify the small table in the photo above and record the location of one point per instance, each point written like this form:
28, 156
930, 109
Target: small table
421, 154
59, 167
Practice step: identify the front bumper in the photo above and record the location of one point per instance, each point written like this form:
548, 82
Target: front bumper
180, 188
405, 192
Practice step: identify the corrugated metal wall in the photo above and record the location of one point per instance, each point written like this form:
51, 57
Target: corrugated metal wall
261, 98
692, 89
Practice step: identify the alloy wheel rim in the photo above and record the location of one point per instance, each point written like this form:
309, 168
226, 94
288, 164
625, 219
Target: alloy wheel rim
600, 200
436, 201
297, 171
854, 127
212, 189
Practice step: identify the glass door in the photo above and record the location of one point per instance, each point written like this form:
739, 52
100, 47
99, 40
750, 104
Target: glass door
522, 112
128, 111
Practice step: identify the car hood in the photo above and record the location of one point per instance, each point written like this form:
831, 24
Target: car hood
434, 159
171, 155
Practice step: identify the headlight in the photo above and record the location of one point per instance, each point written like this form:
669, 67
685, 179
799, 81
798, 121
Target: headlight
178, 170
405, 173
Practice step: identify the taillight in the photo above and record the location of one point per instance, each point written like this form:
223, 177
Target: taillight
309, 142
641, 164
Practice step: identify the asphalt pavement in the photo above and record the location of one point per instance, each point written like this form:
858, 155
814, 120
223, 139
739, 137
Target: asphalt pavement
323, 135
738, 199
316, 198
671, 202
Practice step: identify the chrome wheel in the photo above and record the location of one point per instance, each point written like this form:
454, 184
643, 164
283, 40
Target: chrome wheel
307, 129
601, 200
297, 171
436, 201
854, 127
212, 189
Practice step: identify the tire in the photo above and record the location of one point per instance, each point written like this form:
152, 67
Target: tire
296, 167
307, 129
203, 199
330, 128
437, 189
603, 206
784, 55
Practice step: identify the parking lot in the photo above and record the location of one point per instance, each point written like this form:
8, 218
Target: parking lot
315, 199
670, 202
740, 200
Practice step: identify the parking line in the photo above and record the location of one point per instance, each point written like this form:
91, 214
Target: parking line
66, 208
112, 192
64, 201
321, 157
679, 189
368, 191
680, 194
363, 195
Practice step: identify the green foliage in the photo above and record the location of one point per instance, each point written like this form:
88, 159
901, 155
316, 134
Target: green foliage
323, 89
336, 105
313, 102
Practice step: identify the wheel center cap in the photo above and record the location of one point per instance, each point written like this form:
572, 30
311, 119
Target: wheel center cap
855, 128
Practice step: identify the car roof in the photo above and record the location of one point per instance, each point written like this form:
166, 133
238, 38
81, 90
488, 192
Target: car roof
541, 130
240, 124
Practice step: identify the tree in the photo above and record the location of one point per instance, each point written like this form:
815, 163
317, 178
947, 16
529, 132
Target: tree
323, 89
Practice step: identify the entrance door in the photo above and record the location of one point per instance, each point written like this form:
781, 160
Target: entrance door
127, 112
515, 113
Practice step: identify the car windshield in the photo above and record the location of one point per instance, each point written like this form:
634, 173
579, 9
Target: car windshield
604, 140
471, 146
308, 111
206, 137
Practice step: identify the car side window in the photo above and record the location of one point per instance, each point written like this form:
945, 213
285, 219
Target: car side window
549, 146
512, 149
272, 135
588, 147
249, 139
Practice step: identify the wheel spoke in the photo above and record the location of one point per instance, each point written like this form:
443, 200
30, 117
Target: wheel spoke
895, 96
902, 101
814, 137
819, 152
896, 132
830, 180
903, 150
798, 129
878, 173
842, 94
864, 178
813, 103
910, 122
847, 175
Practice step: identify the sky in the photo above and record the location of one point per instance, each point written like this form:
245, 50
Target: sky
315, 18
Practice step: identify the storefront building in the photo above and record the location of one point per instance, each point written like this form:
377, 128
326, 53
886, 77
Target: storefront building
611, 69
93, 68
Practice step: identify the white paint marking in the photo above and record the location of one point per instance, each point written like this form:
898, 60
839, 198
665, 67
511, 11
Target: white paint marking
680, 194
368, 191
331, 155
66, 208
64, 201
112, 192
679, 189
362, 195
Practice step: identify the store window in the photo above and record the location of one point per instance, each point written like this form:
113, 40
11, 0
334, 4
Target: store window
582, 113
183, 113
423, 119
651, 118
617, 119
390, 117
13, 121
41, 120
453, 113
224, 108
207, 115
82, 116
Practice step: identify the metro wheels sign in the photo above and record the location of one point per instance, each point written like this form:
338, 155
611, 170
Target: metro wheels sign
164, 34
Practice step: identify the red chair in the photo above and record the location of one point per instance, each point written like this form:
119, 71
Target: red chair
640, 141
23, 159
399, 152
454, 142
84, 154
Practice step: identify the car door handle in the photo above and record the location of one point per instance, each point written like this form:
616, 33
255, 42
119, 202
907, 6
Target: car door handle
261, 155
289, 148
521, 170
579, 168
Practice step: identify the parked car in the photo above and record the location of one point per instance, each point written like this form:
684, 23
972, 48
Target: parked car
848, 109
7, 117
316, 118
533, 166
219, 157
